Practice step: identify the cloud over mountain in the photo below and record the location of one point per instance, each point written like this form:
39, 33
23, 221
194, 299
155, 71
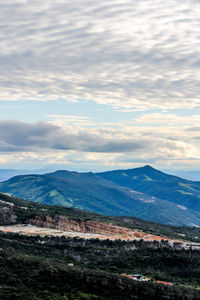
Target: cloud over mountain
18, 136
122, 146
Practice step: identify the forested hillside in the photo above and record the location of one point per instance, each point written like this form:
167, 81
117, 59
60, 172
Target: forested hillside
144, 192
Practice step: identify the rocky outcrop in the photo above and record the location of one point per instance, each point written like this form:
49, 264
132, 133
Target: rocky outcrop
88, 226
7, 215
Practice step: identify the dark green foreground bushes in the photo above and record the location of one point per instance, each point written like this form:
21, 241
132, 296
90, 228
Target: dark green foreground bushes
33, 278
37, 268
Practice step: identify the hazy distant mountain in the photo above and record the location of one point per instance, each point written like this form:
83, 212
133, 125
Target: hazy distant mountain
143, 192
6, 174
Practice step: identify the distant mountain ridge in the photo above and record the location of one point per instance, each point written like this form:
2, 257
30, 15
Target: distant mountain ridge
142, 192
158, 184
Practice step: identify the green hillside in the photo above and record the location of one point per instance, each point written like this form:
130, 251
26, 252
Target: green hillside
158, 184
24, 210
144, 193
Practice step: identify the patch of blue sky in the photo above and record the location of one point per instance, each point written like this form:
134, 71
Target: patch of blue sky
184, 112
33, 111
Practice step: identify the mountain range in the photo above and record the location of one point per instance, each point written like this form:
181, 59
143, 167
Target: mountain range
143, 192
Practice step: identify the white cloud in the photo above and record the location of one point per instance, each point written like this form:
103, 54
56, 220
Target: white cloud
129, 54
17, 136
168, 119
71, 120
99, 147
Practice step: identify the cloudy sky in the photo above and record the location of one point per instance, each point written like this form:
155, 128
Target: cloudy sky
98, 85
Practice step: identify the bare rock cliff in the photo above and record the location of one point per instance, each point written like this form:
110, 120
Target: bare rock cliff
87, 226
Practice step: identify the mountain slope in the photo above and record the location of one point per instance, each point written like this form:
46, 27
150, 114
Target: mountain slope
158, 184
18, 211
59, 267
93, 192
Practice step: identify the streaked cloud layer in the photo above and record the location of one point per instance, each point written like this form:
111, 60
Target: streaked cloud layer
108, 83
131, 54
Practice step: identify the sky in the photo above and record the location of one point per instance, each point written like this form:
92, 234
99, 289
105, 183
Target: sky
99, 85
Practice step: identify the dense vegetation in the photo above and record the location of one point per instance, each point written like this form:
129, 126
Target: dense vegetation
144, 192
37, 268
